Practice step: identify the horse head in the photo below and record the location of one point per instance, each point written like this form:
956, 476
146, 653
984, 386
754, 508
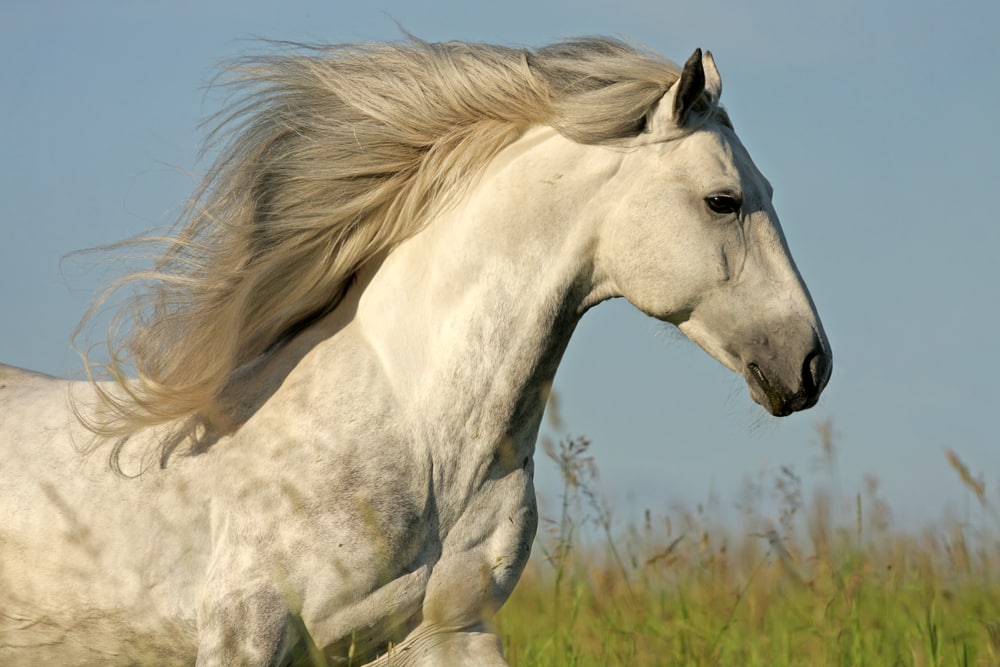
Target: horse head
695, 241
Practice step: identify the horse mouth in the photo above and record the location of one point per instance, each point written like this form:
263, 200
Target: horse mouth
776, 401
773, 400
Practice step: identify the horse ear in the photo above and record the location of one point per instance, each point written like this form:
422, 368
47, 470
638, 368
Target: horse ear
688, 88
699, 77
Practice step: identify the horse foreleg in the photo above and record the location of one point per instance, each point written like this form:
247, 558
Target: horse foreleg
432, 646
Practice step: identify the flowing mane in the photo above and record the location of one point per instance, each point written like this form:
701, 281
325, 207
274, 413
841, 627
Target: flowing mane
331, 155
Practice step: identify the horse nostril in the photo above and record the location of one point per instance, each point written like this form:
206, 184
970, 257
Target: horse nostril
816, 372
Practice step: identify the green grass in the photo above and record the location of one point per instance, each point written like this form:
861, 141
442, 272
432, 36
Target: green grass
811, 586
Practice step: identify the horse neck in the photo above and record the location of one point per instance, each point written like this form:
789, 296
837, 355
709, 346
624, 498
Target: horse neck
469, 318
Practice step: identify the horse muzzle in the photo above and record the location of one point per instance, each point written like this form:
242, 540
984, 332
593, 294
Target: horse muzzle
781, 394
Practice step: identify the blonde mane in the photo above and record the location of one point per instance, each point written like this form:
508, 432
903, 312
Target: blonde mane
331, 155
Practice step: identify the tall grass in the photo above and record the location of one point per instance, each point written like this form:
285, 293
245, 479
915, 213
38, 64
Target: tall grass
807, 583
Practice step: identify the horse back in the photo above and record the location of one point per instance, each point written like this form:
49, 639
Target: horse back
11, 376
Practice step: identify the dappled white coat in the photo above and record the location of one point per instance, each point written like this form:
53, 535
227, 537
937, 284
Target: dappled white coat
380, 489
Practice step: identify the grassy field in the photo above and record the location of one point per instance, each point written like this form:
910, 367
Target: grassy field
819, 581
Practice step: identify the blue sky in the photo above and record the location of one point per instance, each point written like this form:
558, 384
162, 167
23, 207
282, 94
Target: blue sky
874, 121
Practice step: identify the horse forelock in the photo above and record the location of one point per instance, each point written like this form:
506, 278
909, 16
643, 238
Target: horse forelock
330, 155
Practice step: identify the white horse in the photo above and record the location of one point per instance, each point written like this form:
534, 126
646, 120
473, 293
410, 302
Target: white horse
316, 430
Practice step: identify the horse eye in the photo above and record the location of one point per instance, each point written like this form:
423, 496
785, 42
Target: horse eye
723, 204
